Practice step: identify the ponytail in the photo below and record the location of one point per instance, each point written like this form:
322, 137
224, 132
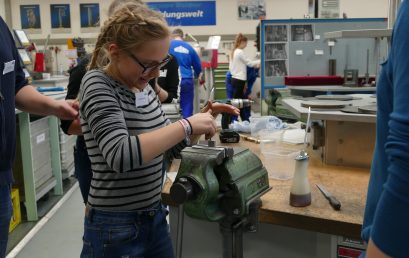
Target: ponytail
237, 41
99, 57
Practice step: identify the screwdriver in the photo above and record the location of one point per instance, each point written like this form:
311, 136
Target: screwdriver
336, 205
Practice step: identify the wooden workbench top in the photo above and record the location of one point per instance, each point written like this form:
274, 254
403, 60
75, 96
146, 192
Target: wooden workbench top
348, 185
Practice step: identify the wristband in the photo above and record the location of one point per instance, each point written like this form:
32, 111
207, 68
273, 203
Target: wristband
187, 128
190, 125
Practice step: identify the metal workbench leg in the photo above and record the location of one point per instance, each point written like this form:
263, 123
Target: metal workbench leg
55, 153
28, 173
179, 234
232, 234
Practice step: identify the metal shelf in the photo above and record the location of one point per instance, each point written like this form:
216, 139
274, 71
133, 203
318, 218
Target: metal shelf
371, 33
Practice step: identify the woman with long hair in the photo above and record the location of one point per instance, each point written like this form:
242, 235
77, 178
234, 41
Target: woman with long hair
238, 68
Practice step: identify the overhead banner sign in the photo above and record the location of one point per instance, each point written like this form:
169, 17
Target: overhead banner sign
189, 13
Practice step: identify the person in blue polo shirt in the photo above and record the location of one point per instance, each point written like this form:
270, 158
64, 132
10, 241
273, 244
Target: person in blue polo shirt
187, 59
386, 219
15, 92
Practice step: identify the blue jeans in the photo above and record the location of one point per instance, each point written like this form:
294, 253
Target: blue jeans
187, 91
83, 170
133, 234
6, 210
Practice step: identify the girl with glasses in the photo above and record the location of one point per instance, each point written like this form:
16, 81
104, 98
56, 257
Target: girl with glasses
126, 134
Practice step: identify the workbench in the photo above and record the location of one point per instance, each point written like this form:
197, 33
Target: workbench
347, 139
287, 231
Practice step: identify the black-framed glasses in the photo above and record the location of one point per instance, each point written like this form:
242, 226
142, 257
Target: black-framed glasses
150, 67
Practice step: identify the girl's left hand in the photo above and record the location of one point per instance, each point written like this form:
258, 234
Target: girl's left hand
217, 108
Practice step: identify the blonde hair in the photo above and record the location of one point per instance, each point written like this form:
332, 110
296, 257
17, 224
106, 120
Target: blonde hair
129, 27
117, 4
237, 41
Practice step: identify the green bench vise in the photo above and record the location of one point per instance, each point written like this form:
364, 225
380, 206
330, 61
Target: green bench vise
222, 184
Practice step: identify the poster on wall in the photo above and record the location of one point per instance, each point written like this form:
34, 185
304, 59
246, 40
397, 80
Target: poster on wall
329, 9
251, 9
89, 14
187, 13
30, 18
60, 18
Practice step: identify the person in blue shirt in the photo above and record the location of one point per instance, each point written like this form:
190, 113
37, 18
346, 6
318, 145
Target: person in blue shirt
386, 219
15, 92
188, 60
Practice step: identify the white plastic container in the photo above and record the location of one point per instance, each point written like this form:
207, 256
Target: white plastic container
279, 149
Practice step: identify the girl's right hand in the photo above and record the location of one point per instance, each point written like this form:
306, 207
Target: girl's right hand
203, 123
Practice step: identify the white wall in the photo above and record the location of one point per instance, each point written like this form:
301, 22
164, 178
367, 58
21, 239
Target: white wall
2, 9
364, 8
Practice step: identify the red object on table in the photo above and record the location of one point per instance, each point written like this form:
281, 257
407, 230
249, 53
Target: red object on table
313, 80
39, 65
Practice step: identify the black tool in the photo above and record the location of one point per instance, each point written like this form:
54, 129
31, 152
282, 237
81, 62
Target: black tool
332, 200
229, 136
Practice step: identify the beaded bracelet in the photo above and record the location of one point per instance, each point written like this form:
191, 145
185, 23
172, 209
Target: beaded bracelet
190, 125
188, 129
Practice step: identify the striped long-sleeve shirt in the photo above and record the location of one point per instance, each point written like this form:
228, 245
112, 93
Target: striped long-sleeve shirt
111, 121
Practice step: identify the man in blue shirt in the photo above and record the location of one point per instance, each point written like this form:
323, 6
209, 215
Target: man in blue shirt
187, 59
15, 92
386, 219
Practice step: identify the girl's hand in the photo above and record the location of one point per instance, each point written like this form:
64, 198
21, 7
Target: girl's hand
203, 123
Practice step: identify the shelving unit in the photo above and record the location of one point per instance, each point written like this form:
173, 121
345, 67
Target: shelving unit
376, 34
305, 43
54, 81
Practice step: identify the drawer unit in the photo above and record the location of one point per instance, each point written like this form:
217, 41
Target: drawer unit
40, 147
41, 156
